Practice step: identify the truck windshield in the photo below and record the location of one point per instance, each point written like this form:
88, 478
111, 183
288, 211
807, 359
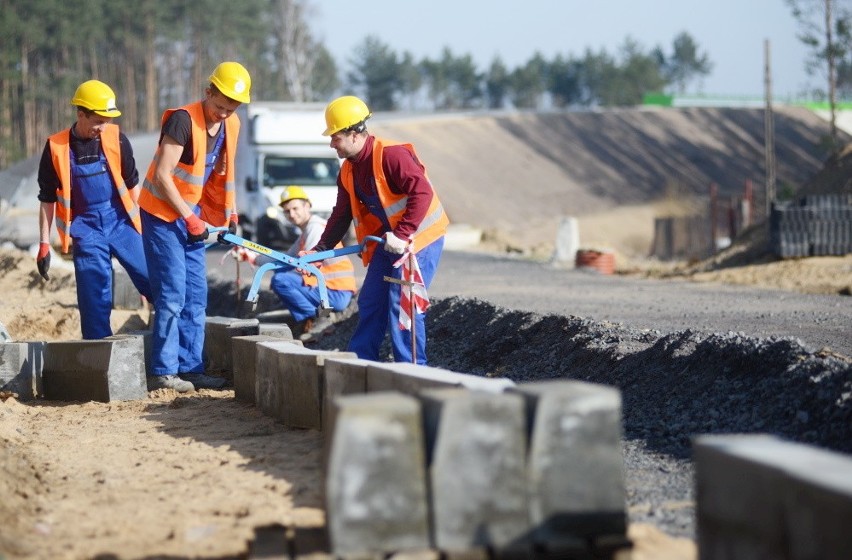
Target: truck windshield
302, 171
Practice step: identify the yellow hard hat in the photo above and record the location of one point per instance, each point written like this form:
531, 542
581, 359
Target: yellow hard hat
96, 96
343, 113
292, 193
233, 80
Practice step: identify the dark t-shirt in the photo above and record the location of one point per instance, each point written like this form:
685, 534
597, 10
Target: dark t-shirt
86, 150
179, 127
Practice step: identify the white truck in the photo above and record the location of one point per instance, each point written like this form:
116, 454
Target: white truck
280, 145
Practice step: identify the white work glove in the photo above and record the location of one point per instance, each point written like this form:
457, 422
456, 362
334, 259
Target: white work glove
394, 244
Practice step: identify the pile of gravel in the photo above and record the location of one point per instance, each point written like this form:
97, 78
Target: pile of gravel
673, 386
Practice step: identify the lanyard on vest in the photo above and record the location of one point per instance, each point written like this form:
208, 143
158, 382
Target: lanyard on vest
210, 161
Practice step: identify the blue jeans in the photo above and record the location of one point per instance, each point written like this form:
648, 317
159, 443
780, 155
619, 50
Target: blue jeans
179, 285
378, 306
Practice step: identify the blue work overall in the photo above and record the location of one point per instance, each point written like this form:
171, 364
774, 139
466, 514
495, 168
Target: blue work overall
179, 282
101, 229
378, 300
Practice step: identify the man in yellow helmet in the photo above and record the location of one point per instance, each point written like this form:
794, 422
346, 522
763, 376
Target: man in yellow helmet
189, 184
298, 292
86, 179
383, 188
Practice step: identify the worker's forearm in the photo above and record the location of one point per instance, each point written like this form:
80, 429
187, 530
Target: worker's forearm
45, 220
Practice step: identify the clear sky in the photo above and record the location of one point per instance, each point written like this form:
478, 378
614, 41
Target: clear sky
731, 32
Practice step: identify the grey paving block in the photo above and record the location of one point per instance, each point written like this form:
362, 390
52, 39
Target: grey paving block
268, 374
303, 398
289, 382
21, 366
218, 332
277, 330
124, 293
110, 369
244, 357
575, 464
412, 378
761, 497
476, 450
343, 376
146, 336
376, 482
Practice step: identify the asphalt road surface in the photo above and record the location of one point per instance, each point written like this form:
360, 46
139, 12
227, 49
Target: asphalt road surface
664, 305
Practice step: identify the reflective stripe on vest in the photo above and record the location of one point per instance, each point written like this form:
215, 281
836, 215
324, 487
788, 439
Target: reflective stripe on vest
60, 153
433, 226
217, 198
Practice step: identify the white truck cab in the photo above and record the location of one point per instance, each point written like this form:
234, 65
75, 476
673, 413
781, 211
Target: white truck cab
281, 145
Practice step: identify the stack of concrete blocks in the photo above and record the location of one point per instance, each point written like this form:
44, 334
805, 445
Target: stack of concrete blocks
289, 382
761, 497
21, 365
510, 470
106, 370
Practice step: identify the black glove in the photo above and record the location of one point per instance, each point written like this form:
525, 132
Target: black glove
43, 260
232, 229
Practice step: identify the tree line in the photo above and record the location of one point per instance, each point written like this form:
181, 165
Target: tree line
159, 53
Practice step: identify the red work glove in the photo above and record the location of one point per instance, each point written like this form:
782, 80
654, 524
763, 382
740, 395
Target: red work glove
43, 260
196, 229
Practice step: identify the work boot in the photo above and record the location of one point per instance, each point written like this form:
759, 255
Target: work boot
169, 382
204, 381
316, 329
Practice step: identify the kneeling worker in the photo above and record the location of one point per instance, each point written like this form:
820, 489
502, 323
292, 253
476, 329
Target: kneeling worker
299, 292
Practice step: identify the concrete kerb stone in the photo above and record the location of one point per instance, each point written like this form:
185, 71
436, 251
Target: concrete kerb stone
244, 356
110, 369
761, 497
412, 378
476, 451
343, 376
575, 465
276, 330
21, 365
147, 340
124, 293
376, 498
218, 332
293, 381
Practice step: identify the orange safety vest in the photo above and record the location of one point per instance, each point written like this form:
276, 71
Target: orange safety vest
433, 226
217, 198
338, 272
60, 154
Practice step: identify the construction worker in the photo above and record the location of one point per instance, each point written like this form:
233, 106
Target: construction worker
298, 292
383, 187
86, 179
189, 184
